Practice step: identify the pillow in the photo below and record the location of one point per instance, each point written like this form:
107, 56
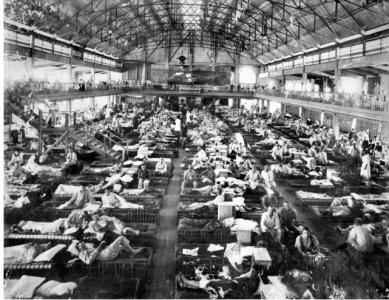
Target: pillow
25, 287
49, 254
54, 288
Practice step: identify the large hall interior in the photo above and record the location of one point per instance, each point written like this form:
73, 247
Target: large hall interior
196, 149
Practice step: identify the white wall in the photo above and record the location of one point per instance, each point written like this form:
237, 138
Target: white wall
351, 85
21, 71
270, 83
248, 103
247, 74
274, 106
298, 85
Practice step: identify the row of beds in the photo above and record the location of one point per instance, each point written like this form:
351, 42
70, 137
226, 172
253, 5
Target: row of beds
318, 199
134, 269
208, 231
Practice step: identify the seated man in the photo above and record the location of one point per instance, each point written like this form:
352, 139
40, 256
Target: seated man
208, 176
360, 238
200, 158
143, 177
189, 178
112, 200
241, 287
161, 167
16, 160
276, 152
307, 243
268, 178
253, 177
88, 253
71, 159
79, 199
312, 151
321, 157
271, 223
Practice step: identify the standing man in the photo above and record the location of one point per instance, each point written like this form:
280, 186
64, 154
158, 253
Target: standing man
143, 177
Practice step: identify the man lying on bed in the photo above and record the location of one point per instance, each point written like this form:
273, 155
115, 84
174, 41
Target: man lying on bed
103, 226
77, 219
241, 287
88, 253
287, 170
112, 200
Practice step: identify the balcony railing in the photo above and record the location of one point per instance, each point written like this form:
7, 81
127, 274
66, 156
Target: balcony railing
362, 101
368, 47
32, 89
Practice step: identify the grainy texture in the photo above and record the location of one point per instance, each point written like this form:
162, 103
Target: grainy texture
164, 259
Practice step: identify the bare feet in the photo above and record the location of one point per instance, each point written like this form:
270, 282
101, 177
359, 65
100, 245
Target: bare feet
136, 251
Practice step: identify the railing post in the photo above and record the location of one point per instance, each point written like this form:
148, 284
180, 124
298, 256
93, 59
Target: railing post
40, 134
105, 146
74, 120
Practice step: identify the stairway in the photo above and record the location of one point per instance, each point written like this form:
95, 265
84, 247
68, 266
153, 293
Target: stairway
94, 144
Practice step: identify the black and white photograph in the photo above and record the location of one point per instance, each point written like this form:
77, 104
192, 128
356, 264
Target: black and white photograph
194, 149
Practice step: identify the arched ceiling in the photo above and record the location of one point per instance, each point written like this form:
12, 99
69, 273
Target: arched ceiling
264, 29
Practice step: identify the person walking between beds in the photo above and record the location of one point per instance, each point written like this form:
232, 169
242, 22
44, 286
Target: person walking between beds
143, 177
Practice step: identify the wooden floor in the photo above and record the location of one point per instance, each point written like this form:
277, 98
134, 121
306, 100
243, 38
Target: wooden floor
162, 281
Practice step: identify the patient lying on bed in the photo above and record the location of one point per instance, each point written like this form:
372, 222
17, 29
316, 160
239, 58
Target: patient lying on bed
88, 253
77, 219
101, 224
112, 200
33, 168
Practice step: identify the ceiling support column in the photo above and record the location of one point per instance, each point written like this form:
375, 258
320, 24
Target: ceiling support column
69, 73
92, 75
237, 63
336, 125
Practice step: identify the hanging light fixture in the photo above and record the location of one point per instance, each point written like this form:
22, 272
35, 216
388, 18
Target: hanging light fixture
182, 58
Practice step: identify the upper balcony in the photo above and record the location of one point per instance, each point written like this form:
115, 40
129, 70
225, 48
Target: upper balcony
369, 107
63, 91
348, 56
359, 101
